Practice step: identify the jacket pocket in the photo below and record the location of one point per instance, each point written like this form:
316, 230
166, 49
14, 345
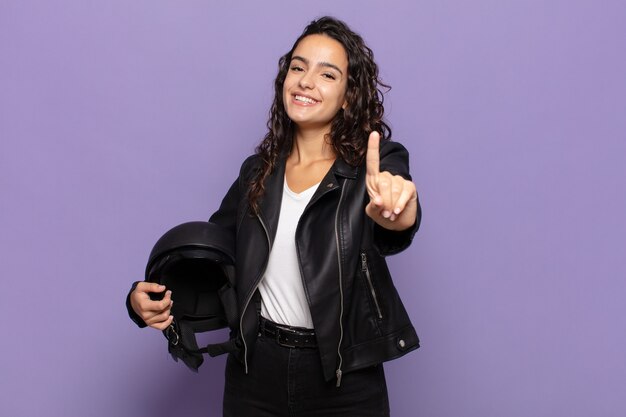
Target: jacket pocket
373, 295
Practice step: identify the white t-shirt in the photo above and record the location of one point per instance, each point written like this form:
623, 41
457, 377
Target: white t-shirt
283, 299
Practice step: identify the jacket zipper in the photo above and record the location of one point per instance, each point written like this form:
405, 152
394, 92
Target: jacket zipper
339, 371
245, 346
366, 270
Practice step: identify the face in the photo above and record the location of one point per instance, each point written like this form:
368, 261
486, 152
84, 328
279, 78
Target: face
315, 86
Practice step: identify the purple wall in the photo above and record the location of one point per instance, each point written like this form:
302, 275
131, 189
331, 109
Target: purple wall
119, 119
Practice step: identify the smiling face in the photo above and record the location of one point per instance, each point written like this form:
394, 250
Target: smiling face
315, 86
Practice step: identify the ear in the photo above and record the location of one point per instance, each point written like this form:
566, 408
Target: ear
344, 105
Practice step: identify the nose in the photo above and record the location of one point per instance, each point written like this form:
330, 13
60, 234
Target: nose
306, 81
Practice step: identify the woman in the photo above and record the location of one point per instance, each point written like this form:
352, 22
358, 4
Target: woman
314, 212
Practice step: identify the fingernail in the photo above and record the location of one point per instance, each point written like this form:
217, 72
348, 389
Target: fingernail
393, 217
386, 214
397, 210
169, 293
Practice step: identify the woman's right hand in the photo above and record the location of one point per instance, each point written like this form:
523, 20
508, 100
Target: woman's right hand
156, 314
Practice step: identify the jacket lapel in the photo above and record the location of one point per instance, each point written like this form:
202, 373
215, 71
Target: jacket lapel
340, 169
272, 199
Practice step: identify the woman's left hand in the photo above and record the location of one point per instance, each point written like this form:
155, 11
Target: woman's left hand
393, 200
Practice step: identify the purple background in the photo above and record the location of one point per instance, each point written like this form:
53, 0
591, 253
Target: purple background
120, 119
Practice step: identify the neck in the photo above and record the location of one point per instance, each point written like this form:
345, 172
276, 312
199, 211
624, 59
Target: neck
311, 146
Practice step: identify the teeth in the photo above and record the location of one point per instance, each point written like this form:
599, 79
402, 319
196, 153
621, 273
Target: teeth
305, 99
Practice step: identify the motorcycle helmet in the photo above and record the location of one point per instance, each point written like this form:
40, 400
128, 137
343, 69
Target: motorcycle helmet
195, 260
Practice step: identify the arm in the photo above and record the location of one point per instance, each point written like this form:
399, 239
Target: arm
394, 204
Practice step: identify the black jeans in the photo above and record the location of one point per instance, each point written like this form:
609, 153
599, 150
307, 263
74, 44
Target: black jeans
289, 382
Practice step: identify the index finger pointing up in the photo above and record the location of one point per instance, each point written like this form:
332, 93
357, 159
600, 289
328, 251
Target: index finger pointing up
372, 158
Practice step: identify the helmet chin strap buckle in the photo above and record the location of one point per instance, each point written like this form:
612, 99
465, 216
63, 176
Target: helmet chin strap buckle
172, 335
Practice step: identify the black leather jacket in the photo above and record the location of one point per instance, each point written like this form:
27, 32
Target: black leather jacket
358, 316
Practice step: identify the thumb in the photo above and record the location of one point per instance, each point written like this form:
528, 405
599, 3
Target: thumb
372, 210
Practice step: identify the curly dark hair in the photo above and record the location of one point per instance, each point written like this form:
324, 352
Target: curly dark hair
351, 126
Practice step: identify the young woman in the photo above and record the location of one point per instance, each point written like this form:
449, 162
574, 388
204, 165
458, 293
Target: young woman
326, 196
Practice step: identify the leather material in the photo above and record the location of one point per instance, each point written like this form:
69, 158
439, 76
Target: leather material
358, 316
287, 336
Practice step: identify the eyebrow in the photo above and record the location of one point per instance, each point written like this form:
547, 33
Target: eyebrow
323, 64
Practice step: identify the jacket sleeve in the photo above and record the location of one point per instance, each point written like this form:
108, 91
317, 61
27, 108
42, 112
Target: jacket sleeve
226, 214
394, 158
131, 313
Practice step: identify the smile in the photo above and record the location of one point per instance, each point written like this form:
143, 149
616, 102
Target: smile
304, 99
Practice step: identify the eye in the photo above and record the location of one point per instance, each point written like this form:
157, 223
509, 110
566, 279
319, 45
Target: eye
296, 68
329, 75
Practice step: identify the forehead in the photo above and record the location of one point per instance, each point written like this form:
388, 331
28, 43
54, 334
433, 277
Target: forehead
322, 49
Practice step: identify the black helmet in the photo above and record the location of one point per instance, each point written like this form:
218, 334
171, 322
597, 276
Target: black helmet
195, 261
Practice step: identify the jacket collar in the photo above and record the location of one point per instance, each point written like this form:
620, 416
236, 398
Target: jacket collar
342, 169
274, 184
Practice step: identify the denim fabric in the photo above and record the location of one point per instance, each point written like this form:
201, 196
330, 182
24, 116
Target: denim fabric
289, 382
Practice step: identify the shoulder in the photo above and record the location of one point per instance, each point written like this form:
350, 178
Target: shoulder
251, 162
392, 148
394, 158
389, 146
250, 167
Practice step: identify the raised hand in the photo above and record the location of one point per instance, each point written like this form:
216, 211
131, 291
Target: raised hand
156, 314
393, 200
